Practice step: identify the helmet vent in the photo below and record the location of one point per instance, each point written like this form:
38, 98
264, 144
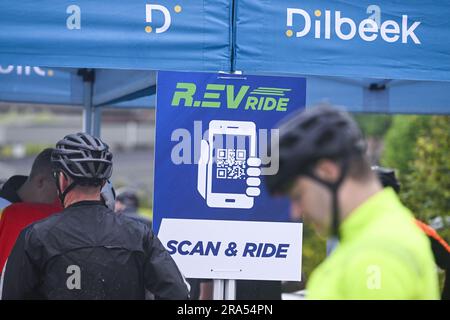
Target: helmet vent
309, 123
85, 140
289, 141
325, 138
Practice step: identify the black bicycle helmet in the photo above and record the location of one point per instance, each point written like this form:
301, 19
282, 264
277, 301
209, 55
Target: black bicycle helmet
86, 159
313, 134
387, 177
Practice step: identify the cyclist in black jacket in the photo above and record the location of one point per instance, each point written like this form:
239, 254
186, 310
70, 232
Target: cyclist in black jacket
87, 251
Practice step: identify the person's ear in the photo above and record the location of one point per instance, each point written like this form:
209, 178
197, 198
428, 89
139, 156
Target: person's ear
327, 170
39, 181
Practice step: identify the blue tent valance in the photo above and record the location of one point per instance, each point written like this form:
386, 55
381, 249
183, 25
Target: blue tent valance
391, 56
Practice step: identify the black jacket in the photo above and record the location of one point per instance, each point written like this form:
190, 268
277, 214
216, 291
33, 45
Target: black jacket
89, 252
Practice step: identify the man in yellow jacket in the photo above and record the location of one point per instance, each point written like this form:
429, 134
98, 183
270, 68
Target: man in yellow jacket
382, 254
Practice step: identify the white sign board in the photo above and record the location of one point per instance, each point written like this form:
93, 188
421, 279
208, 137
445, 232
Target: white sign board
203, 249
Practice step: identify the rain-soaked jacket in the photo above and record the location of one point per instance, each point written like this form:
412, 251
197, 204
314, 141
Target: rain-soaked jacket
89, 252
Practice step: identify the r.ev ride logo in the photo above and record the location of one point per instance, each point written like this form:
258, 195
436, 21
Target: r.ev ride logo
244, 97
150, 12
300, 24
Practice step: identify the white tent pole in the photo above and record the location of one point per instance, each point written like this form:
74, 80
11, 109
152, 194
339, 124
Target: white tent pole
97, 121
88, 83
87, 110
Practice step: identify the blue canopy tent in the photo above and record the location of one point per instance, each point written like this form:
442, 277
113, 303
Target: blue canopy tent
114, 34
391, 57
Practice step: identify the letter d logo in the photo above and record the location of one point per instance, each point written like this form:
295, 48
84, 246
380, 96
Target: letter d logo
148, 17
290, 22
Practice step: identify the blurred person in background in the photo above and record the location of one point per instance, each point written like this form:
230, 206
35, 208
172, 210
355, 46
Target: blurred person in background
382, 253
127, 204
440, 248
34, 200
37, 187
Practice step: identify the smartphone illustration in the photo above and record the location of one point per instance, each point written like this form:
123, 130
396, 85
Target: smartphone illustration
231, 143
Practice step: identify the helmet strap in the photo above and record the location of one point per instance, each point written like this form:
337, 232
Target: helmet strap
62, 194
334, 188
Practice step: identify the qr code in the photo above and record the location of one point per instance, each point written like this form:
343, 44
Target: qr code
231, 163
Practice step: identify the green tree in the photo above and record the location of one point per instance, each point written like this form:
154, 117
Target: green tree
314, 250
400, 142
418, 147
427, 186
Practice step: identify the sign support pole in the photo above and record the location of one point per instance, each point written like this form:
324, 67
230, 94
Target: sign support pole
230, 289
218, 289
224, 289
